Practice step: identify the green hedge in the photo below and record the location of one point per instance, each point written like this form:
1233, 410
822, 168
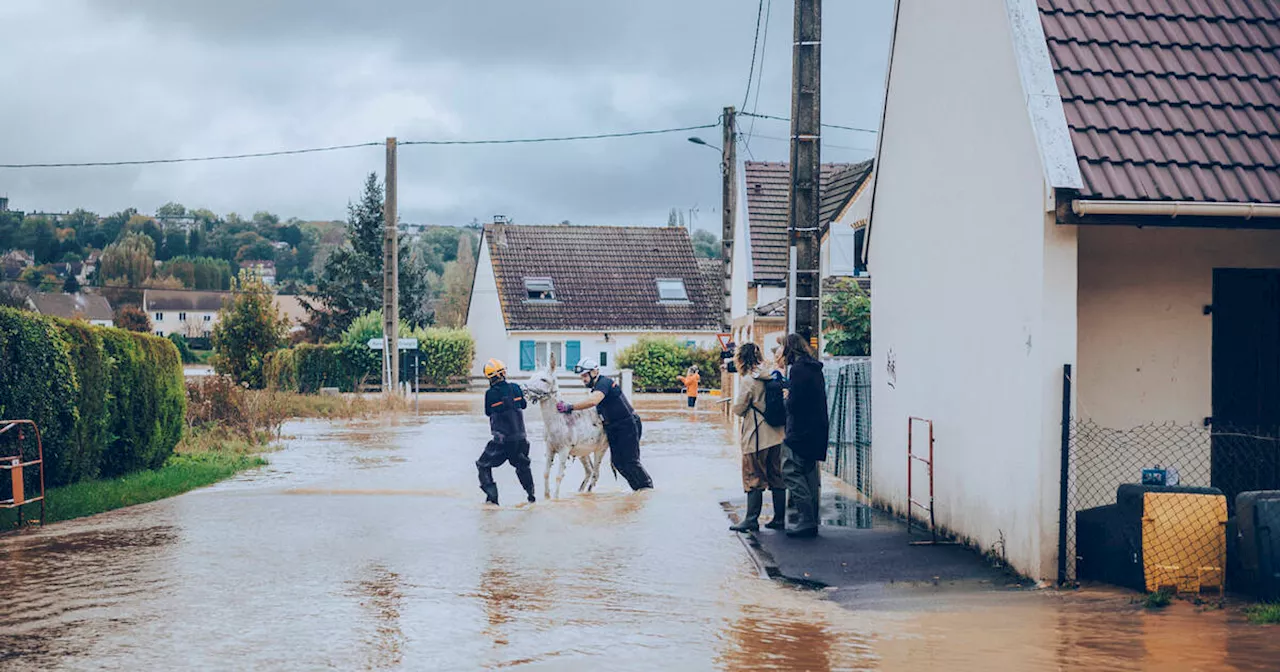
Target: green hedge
107, 401
657, 362
445, 356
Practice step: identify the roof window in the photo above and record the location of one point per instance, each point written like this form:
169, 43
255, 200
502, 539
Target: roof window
539, 289
672, 291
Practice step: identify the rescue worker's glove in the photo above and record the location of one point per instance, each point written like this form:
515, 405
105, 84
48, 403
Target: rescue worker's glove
563, 407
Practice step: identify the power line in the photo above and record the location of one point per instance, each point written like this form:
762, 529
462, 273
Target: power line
563, 138
824, 143
764, 51
193, 159
788, 120
755, 44
333, 148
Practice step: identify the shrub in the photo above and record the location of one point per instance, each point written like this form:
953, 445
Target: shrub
38, 382
847, 322
657, 362
133, 319
445, 355
184, 348
220, 402
280, 370
107, 401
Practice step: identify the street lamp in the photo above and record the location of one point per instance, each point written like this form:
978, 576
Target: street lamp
699, 141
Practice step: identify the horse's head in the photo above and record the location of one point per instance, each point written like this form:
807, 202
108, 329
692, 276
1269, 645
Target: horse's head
542, 385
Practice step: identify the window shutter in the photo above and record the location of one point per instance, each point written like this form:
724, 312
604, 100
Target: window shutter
572, 354
527, 351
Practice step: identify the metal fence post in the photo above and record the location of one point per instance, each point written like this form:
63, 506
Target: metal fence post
1065, 474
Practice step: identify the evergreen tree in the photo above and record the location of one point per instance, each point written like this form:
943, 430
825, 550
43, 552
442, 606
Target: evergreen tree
351, 282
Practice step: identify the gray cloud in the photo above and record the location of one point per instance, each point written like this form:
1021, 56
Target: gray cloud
126, 79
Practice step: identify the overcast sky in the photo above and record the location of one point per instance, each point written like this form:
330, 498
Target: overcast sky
96, 80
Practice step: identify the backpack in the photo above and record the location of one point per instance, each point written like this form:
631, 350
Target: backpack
775, 409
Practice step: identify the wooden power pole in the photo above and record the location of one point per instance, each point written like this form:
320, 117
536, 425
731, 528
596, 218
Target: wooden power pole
729, 209
390, 279
805, 282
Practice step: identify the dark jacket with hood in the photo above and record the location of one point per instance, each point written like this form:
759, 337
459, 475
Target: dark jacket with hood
807, 410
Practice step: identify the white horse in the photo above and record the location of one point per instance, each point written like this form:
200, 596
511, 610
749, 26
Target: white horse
569, 435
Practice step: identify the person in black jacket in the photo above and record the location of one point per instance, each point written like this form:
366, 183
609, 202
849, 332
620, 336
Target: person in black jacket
621, 424
504, 404
806, 438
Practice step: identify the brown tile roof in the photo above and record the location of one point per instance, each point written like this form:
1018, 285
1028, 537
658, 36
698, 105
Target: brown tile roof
768, 196
183, 300
70, 306
605, 278
1170, 99
839, 188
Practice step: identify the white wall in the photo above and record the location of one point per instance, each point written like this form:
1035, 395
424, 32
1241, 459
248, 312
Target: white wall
969, 274
484, 320
593, 343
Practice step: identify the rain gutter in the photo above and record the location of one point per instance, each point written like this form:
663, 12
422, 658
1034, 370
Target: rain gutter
1083, 208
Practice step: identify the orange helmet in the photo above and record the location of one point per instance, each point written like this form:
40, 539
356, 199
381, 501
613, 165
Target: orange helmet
494, 368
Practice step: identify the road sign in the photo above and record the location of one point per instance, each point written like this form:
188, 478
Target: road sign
404, 343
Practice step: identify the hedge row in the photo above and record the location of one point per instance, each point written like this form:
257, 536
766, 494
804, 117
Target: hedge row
444, 357
657, 362
107, 401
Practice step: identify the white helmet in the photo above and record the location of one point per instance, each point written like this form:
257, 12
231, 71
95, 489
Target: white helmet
586, 365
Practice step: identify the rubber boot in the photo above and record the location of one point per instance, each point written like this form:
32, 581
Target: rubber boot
488, 486
751, 523
779, 521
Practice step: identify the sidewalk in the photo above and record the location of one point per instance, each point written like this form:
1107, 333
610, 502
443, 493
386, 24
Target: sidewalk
863, 555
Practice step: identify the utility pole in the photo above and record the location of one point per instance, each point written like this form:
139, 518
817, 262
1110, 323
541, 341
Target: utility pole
804, 281
729, 208
390, 279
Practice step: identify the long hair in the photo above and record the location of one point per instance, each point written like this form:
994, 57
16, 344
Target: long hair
748, 357
795, 348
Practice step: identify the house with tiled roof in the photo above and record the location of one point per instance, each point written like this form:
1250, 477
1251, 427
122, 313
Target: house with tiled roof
1083, 192
587, 291
92, 308
761, 244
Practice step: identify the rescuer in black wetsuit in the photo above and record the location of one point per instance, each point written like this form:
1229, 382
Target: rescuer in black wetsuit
504, 404
621, 424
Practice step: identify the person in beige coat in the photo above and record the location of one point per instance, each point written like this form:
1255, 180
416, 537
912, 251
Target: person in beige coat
761, 443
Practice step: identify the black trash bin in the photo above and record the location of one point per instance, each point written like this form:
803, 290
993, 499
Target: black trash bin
1258, 544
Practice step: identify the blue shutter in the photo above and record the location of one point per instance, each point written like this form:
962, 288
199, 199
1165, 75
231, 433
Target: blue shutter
572, 354
527, 352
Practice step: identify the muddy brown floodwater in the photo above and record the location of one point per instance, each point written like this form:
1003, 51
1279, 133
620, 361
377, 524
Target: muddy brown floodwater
365, 545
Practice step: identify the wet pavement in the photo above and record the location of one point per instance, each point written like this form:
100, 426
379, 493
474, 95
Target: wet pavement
365, 545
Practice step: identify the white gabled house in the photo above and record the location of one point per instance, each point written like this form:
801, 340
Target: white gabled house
761, 248
587, 291
1071, 182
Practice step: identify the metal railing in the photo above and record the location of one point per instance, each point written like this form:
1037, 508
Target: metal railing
849, 411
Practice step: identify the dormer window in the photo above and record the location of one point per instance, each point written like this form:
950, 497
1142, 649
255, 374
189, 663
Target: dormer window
672, 291
539, 289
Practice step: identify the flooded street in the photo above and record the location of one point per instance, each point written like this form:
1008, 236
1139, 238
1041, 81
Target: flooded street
366, 545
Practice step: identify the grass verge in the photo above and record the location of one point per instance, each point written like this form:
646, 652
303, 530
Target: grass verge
180, 473
1264, 614
1158, 600
330, 407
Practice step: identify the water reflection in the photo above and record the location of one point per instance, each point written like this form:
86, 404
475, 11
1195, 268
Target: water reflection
382, 598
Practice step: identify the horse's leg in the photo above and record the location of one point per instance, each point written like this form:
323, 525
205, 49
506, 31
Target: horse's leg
586, 476
546, 473
564, 462
599, 462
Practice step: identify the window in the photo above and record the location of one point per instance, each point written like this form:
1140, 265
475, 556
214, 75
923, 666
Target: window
672, 290
160, 333
604, 359
207, 318
544, 349
159, 317
207, 334
539, 289
182, 317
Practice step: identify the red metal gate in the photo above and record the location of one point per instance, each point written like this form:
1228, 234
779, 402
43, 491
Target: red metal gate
15, 460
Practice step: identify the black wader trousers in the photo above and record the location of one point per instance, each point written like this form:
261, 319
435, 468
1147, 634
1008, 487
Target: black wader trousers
495, 454
624, 452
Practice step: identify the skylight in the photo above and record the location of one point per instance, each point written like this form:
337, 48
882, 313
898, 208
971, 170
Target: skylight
672, 290
539, 289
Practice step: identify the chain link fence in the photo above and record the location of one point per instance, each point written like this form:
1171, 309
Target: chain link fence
849, 409
1174, 537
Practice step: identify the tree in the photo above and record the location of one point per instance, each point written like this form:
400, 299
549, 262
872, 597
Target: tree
110, 228
706, 245
133, 319
171, 209
13, 295
458, 275
249, 327
129, 261
71, 285
847, 319
175, 244
39, 235
351, 282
